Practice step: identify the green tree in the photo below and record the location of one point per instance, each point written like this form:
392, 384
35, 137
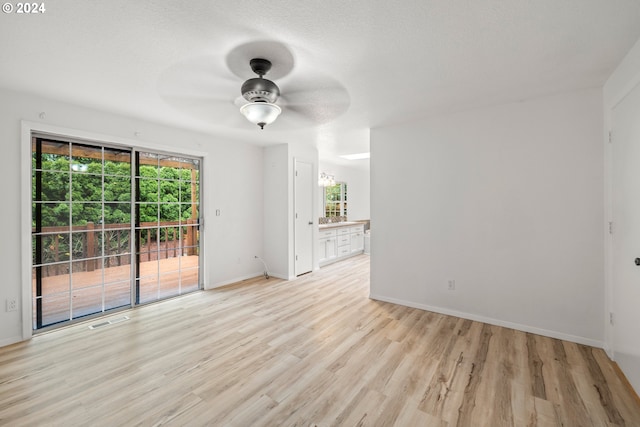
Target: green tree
87, 187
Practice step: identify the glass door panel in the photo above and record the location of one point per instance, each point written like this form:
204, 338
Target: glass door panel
70, 243
167, 203
117, 294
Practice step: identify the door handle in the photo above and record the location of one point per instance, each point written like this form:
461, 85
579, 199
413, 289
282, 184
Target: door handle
637, 261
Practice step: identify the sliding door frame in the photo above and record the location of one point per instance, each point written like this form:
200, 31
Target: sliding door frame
28, 129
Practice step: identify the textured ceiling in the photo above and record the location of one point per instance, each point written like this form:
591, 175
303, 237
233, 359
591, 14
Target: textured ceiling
343, 66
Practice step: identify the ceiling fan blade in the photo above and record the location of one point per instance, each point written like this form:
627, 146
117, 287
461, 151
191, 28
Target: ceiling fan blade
319, 105
203, 88
239, 101
203, 75
208, 109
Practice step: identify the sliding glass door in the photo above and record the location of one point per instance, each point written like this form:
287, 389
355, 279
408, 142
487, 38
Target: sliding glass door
93, 249
166, 226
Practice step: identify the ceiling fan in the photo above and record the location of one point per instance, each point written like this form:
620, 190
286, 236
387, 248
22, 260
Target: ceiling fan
205, 87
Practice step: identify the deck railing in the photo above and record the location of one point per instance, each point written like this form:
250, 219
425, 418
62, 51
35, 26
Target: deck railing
86, 248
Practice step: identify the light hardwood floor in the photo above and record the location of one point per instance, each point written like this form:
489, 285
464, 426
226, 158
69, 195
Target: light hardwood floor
314, 351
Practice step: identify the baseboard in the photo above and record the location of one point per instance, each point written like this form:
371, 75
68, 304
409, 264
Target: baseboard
491, 321
625, 381
280, 276
11, 340
607, 349
235, 280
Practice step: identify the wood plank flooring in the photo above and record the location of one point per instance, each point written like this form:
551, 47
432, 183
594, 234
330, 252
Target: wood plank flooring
310, 352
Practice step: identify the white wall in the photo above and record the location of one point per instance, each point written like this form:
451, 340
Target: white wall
232, 182
621, 338
357, 180
235, 237
277, 205
508, 202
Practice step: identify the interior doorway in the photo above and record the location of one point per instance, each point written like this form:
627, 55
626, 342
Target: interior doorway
625, 237
303, 217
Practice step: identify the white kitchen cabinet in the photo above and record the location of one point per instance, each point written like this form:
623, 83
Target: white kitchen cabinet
357, 240
328, 246
328, 249
327, 233
344, 240
340, 241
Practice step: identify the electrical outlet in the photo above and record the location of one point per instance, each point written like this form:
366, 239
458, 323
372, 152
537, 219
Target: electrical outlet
12, 304
451, 285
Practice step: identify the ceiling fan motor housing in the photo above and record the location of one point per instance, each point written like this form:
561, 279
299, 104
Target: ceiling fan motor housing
260, 90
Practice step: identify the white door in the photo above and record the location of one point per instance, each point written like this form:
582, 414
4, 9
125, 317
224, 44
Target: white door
626, 235
304, 223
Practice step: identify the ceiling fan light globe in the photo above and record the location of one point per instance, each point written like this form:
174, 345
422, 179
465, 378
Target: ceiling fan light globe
261, 113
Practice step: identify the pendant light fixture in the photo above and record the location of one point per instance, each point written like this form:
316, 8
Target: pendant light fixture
326, 180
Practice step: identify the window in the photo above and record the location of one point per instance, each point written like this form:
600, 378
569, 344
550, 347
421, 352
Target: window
335, 200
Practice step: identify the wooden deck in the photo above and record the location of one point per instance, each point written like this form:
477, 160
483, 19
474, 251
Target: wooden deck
315, 351
158, 279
